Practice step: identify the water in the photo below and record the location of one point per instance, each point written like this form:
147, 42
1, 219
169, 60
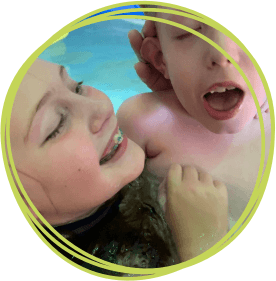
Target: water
101, 56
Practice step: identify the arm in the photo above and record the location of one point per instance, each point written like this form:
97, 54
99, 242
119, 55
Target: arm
196, 210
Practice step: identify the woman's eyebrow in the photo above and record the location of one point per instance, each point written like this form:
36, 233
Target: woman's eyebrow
43, 101
40, 104
47, 94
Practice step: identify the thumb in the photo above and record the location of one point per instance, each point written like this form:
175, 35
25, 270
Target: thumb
172, 183
174, 178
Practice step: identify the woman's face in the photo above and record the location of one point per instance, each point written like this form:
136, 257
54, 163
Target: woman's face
59, 132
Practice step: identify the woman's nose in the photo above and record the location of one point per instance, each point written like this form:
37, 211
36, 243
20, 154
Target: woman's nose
92, 111
215, 57
100, 112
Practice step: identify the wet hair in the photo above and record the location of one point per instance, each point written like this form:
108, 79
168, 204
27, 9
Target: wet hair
152, 14
136, 235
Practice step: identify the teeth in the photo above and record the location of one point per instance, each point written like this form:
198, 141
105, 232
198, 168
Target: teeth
118, 138
222, 89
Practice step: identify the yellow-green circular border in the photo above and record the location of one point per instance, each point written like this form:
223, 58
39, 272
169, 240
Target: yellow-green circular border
263, 173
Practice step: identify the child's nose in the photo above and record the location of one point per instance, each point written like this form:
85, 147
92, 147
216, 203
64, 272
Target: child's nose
216, 57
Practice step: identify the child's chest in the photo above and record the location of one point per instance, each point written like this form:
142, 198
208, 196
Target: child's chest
208, 152
232, 159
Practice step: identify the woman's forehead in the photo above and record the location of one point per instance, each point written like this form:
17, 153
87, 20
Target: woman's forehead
44, 70
35, 83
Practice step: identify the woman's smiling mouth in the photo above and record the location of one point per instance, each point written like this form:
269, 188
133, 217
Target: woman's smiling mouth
112, 146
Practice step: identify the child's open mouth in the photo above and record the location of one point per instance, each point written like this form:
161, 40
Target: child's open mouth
223, 103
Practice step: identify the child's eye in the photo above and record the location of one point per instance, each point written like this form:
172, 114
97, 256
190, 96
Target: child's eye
58, 128
184, 36
187, 35
78, 89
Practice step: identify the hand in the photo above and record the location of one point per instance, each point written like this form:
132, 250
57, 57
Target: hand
196, 210
264, 108
147, 72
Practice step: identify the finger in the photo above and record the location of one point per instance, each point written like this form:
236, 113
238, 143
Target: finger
174, 176
221, 187
161, 84
206, 178
144, 72
218, 184
136, 41
190, 174
149, 29
152, 77
147, 74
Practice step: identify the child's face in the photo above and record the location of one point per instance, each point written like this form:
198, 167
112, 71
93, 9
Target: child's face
59, 133
196, 68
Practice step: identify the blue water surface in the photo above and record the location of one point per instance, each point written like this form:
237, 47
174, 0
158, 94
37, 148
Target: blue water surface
101, 56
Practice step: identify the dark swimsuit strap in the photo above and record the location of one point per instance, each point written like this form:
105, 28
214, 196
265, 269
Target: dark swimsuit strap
81, 227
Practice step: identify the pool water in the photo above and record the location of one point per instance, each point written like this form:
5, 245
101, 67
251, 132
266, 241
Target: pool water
101, 56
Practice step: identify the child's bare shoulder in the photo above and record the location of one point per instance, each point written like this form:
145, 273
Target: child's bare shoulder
138, 104
136, 115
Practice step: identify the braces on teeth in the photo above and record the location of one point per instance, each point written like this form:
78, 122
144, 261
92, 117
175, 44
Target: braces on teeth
118, 138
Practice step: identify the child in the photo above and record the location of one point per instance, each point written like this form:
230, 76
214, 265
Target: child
207, 119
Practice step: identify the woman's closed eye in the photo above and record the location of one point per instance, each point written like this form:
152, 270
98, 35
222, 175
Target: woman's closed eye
63, 116
57, 130
187, 35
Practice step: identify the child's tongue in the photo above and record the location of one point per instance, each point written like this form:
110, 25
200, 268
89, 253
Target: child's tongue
223, 101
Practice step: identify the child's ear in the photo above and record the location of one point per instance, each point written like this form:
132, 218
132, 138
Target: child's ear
151, 51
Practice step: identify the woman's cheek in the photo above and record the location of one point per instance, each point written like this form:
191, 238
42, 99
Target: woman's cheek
74, 158
72, 176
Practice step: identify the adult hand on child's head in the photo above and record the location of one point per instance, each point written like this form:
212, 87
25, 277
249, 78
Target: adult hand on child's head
196, 210
146, 71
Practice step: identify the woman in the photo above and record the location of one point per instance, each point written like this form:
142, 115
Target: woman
73, 163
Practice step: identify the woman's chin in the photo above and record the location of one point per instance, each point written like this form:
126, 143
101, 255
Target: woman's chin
134, 161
